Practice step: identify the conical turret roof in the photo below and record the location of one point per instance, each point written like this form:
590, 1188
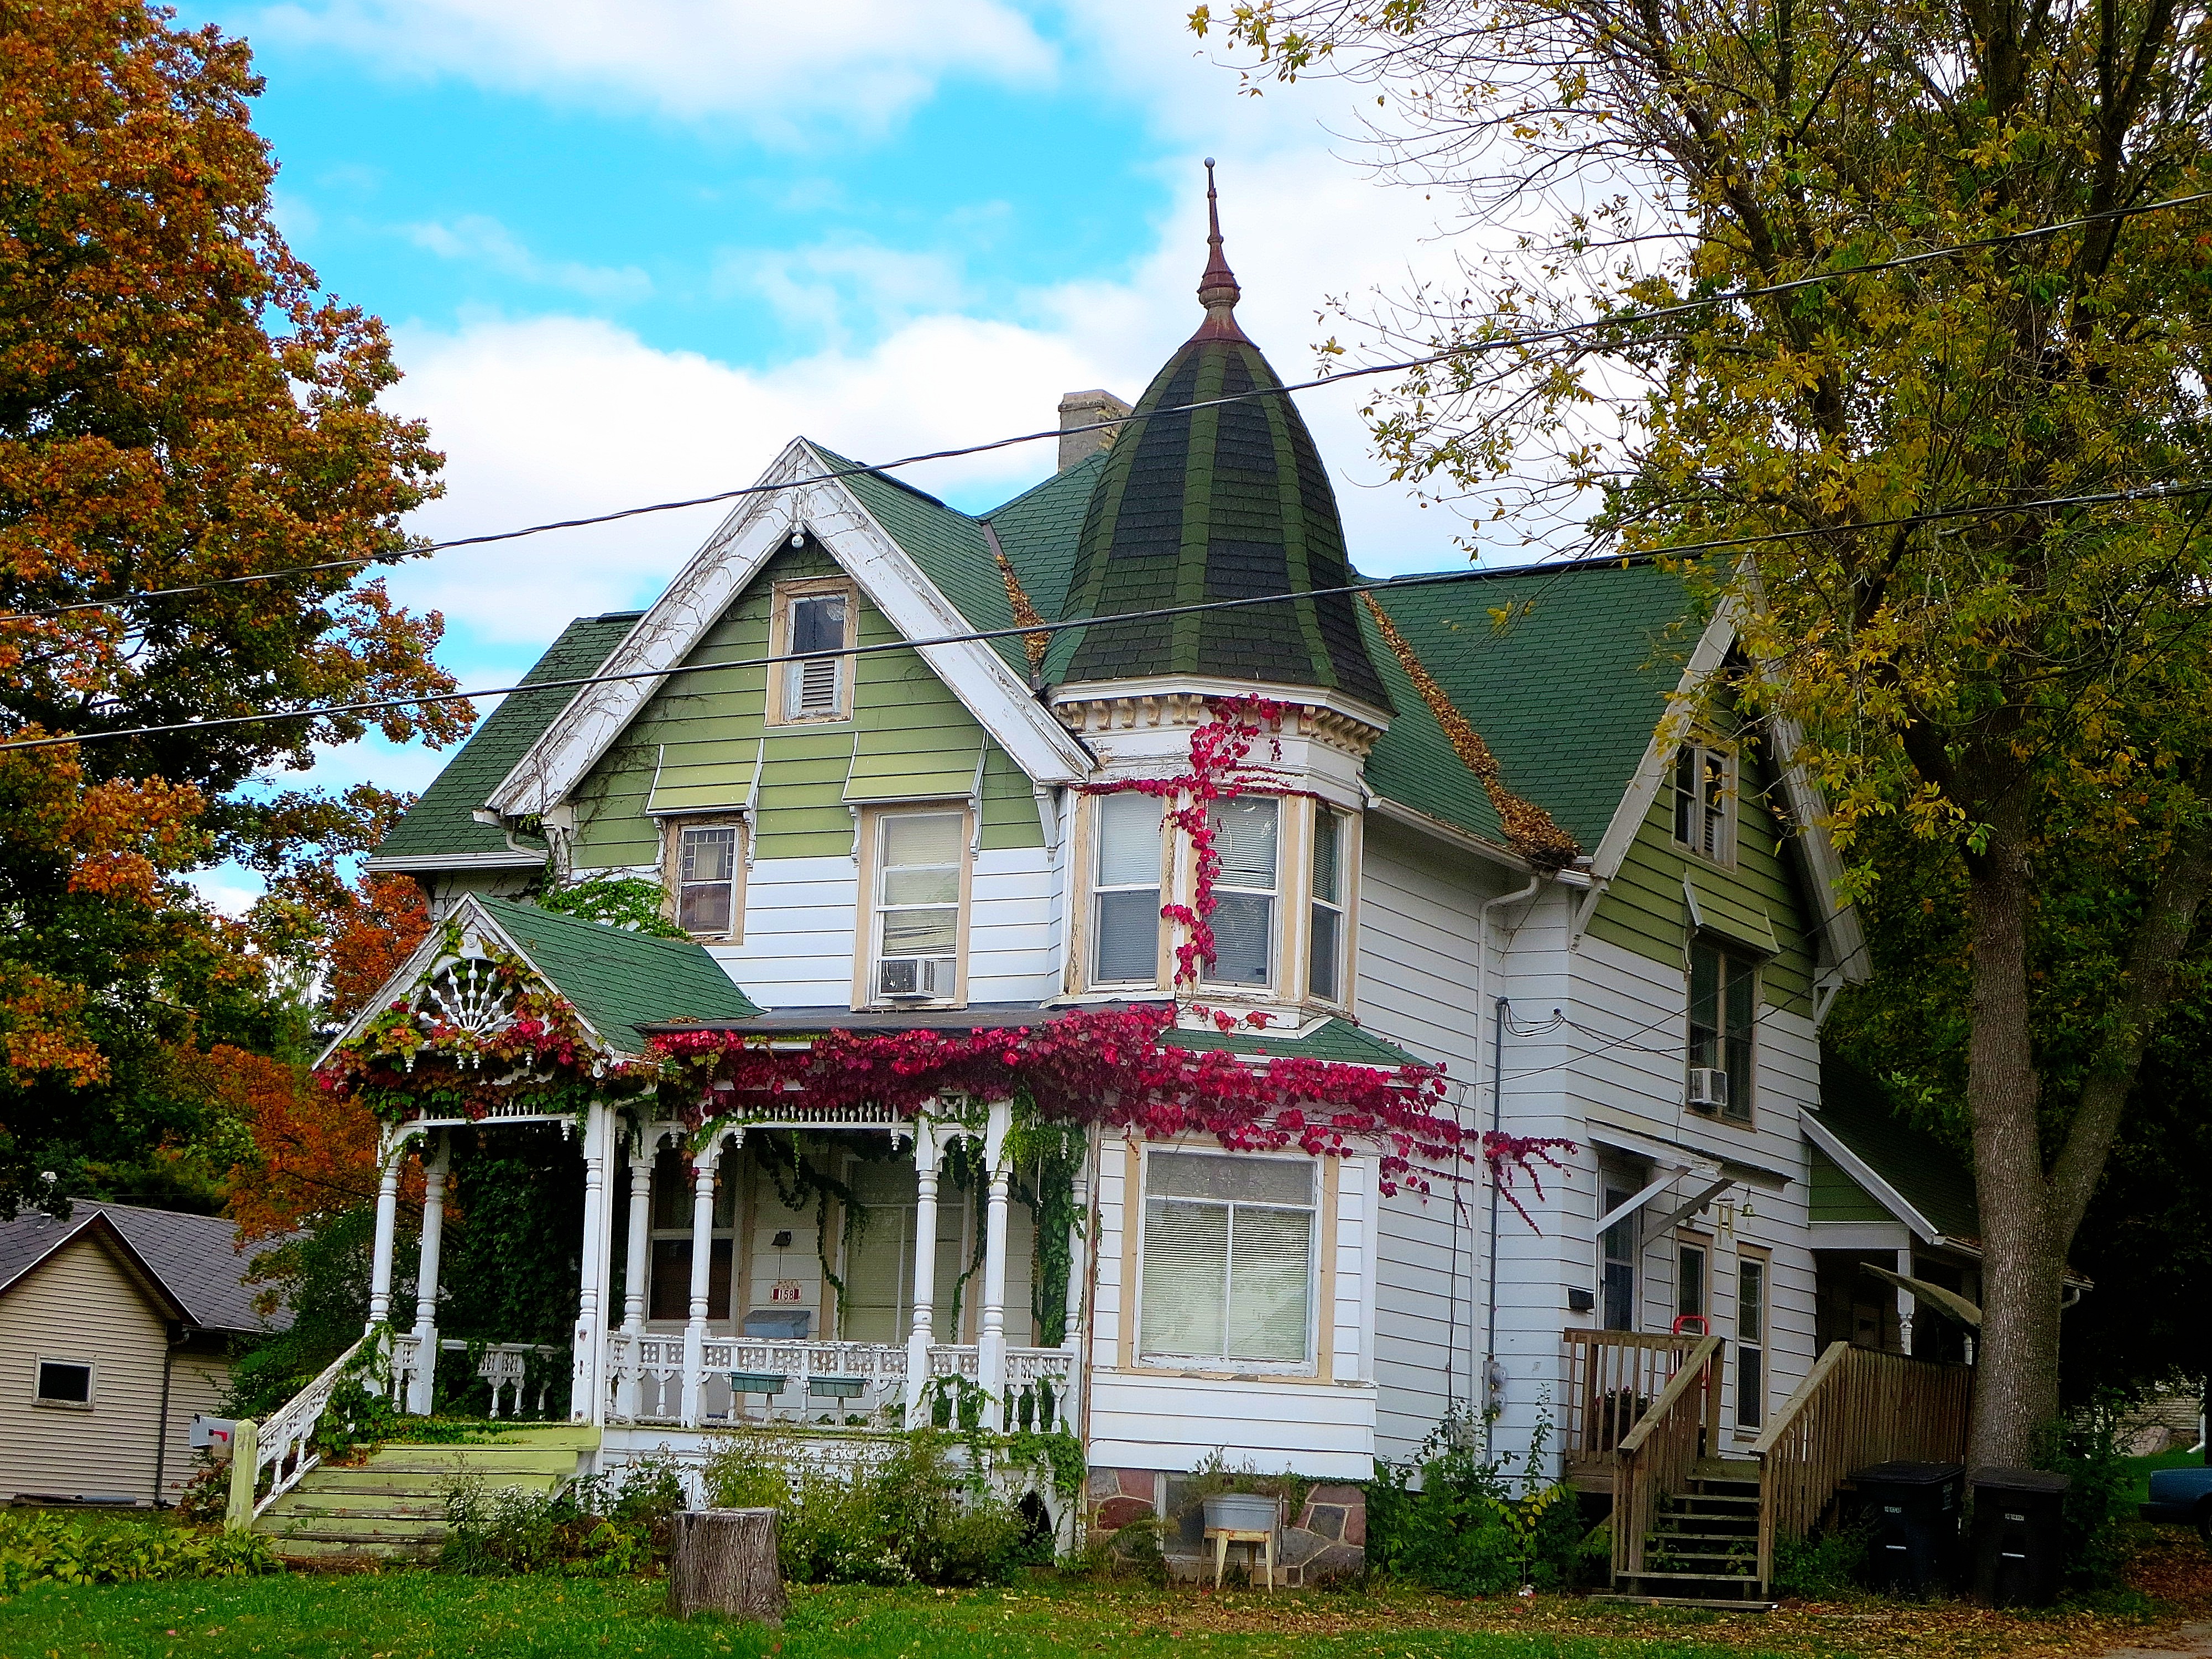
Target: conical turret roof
1225, 501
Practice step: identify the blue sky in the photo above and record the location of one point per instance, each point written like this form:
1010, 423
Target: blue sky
627, 251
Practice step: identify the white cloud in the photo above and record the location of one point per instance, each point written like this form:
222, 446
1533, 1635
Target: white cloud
773, 66
477, 240
818, 289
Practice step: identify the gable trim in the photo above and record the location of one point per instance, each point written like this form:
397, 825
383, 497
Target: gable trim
98, 1229
1869, 1178
711, 582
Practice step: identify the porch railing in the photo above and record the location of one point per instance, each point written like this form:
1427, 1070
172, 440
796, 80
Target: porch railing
282, 1443
505, 1365
1854, 1407
1657, 1457
1612, 1378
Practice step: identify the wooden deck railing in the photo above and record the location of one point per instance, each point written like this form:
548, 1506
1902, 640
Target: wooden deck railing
1657, 1457
1856, 1407
1613, 1377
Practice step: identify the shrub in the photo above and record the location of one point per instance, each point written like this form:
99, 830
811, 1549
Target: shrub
926, 1513
599, 1526
45, 1546
1825, 1565
2086, 1447
1464, 1530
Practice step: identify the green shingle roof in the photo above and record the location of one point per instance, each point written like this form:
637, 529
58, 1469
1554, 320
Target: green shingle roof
1566, 693
1927, 1173
1335, 1039
620, 981
1038, 530
438, 824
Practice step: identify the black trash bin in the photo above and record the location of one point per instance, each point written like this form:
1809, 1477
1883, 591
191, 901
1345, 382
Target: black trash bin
1911, 1512
2019, 1536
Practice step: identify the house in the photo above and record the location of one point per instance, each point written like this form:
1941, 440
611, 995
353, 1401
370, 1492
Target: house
1124, 770
116, 1328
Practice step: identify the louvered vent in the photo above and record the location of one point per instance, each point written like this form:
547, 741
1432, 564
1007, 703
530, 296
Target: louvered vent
814, 686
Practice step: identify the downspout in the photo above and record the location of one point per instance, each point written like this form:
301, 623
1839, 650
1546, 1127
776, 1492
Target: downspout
162, 1423
1497, 1121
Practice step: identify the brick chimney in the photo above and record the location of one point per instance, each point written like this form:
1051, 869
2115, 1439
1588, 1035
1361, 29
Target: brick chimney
1080, 408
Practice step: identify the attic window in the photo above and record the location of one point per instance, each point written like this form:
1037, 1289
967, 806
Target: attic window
1704, 802
813, 626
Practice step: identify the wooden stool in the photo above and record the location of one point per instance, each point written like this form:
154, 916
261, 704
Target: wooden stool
1223, 1537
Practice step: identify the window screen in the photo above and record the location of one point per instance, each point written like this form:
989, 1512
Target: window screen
1244, 890
65, 1381
1126, 889
707, 875
1228, 1259
1324, 964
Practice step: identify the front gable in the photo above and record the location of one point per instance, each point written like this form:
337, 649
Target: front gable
821, 511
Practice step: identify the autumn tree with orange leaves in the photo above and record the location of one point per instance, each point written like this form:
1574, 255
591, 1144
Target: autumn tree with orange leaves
180, 404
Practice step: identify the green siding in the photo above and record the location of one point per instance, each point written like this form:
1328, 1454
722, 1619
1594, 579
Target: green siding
1645, 909
1836, 1197
695, 743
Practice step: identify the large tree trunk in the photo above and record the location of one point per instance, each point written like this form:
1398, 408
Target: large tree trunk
2016, 1379
724, 1561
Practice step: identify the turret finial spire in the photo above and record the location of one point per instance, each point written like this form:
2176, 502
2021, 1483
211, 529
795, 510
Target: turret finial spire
1217, 290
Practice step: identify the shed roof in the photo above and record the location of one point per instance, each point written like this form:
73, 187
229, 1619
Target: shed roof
1928, 1174
195, 1260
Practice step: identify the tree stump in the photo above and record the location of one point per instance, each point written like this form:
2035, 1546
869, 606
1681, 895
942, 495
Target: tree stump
724, 1561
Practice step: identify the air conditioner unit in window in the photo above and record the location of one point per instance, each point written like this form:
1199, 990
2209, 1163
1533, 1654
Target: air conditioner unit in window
1708, 1089
928, 979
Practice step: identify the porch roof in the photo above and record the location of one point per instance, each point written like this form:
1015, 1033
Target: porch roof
1931, 1177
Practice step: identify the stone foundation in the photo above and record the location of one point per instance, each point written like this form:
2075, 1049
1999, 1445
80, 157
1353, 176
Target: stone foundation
1326, 1543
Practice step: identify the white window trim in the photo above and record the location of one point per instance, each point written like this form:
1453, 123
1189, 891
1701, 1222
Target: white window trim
1286, 921
868, 934
1319, 1268
779, 638
1086, 941
671, 869
39, 1362
1349, 826
1764, 1346
1737, 1115
1731, 795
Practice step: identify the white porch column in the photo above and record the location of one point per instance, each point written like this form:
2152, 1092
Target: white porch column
702, 1259
1907, 1304
922, 1336
1079, 1281
434, 1166
991, 1336
391, 1147
640, 1220
587, 1403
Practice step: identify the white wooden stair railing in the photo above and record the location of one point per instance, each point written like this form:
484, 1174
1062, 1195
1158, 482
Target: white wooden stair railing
282, 1442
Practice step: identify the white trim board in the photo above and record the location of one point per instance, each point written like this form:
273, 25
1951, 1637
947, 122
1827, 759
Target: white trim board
1865, 1174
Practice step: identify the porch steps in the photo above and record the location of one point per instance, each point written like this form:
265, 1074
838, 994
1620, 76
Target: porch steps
393, 1508
1703, 1549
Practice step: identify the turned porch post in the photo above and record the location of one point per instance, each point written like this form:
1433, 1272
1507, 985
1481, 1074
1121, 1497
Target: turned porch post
391, 1148
991, 1336
1908, 1305
587, 1401
703, 1258
640, 1220
922, 1336
420, 1384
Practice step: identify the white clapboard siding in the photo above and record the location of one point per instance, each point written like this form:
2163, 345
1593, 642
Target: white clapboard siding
79, 1305
198, 1379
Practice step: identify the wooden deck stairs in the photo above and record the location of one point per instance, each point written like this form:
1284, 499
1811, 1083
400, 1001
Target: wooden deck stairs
392, 1506
1703, 1545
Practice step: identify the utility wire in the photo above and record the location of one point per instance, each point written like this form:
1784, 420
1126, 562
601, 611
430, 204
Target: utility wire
1022, 631
1473, 347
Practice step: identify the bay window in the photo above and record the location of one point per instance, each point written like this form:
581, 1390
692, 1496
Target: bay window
1125, 906
1244, 890
1228, 1261
1325, 945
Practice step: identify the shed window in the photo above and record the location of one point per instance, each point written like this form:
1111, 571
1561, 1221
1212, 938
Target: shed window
1244, 890
1325, 953
64, 1382
1124, 917
706, 880
1228, 1259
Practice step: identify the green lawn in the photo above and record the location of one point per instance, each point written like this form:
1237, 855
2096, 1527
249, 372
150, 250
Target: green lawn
2139, 1471
407, 1614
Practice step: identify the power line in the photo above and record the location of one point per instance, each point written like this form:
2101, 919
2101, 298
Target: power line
984, 636
1495, 342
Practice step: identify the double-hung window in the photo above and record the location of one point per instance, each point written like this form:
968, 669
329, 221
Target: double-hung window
1750, 1341
1325, 946
1228, 1261
1617, 1280
919, 861
1724, 1010
707, 880
1124, 905
1245, 890
813, 631
1690, 1287
1704, 802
